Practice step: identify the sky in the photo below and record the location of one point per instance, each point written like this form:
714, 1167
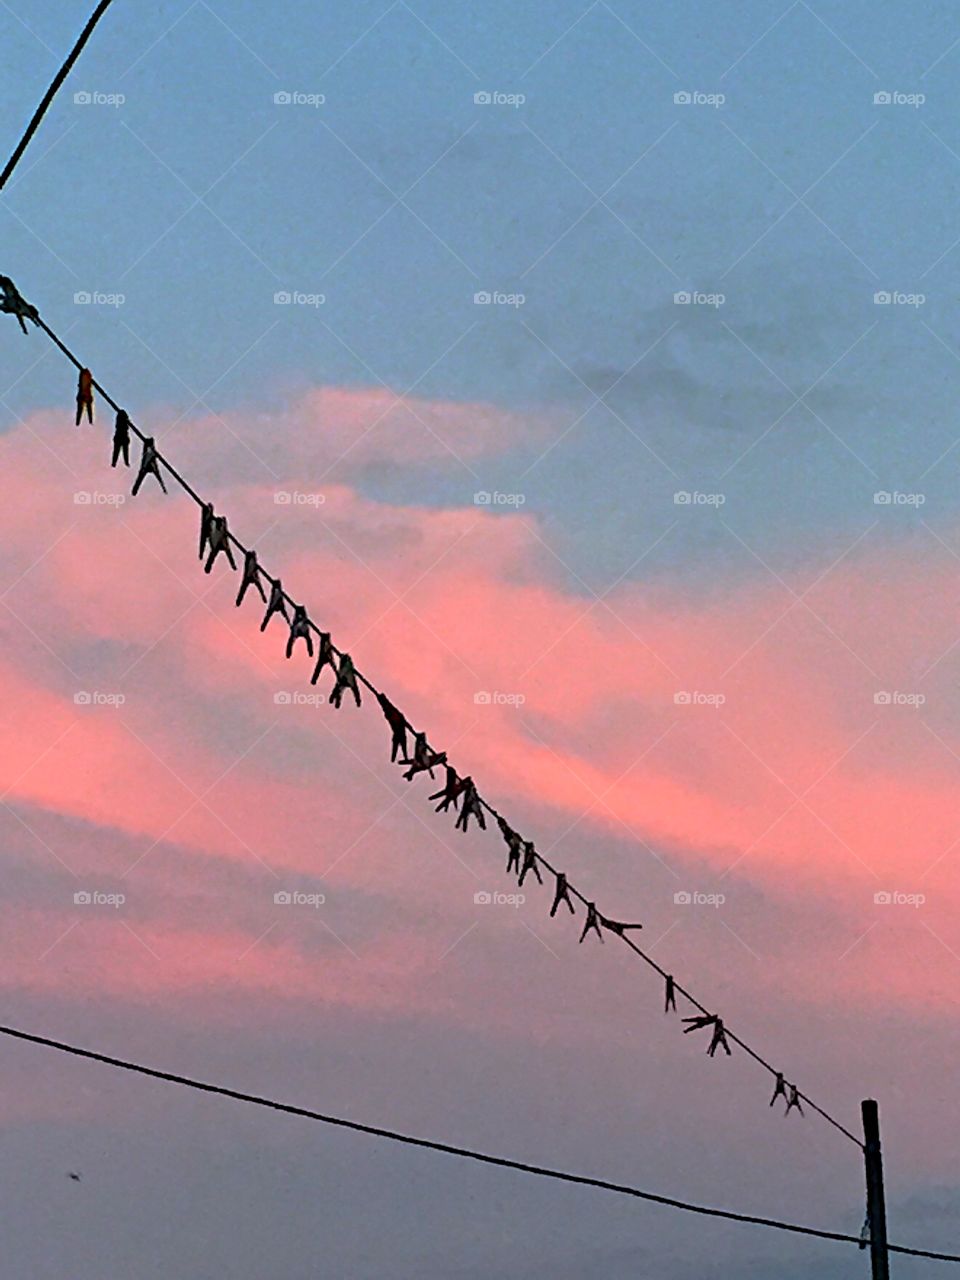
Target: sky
589, 373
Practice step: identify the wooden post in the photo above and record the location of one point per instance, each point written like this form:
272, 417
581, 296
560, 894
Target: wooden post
876, 1208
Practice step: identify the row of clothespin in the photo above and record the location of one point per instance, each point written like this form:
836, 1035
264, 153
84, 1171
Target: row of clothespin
458, 793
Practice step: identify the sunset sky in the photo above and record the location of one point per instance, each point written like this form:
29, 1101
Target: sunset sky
659, 543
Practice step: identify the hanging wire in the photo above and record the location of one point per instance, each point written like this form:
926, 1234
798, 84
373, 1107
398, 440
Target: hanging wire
531, 857
465, 1153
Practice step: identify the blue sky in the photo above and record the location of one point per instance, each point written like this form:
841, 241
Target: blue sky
785, 199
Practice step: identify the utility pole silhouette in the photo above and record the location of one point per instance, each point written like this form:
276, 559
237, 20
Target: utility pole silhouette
876, 1207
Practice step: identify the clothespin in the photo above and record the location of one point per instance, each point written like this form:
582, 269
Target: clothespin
85, 395
424, 759
514, 845
562, 894
325, 657
617, 926
864, 1241
14, 305
346, 679
121, 439
398, 727
206, 526
276, 604
149, 466
300, 630
592, 922
449, 793
529, 863
793, 1102
719, 1038
219, 541
670, 1000
471, 807
780, 1089
251, 577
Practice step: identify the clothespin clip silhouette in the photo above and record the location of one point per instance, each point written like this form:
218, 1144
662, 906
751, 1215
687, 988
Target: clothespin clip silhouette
346, 680
121, 439
562, 894
149, 466
398, 728
219, 541
592, 922
788, 1093
206, 526
719, 1038
14, 305
864, 1241
424, 759
276, 604
670, 999
529, 863
251, 577
85, 395
617, 926
300, 630
449, 793
325, 658
514, 845
471, 807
